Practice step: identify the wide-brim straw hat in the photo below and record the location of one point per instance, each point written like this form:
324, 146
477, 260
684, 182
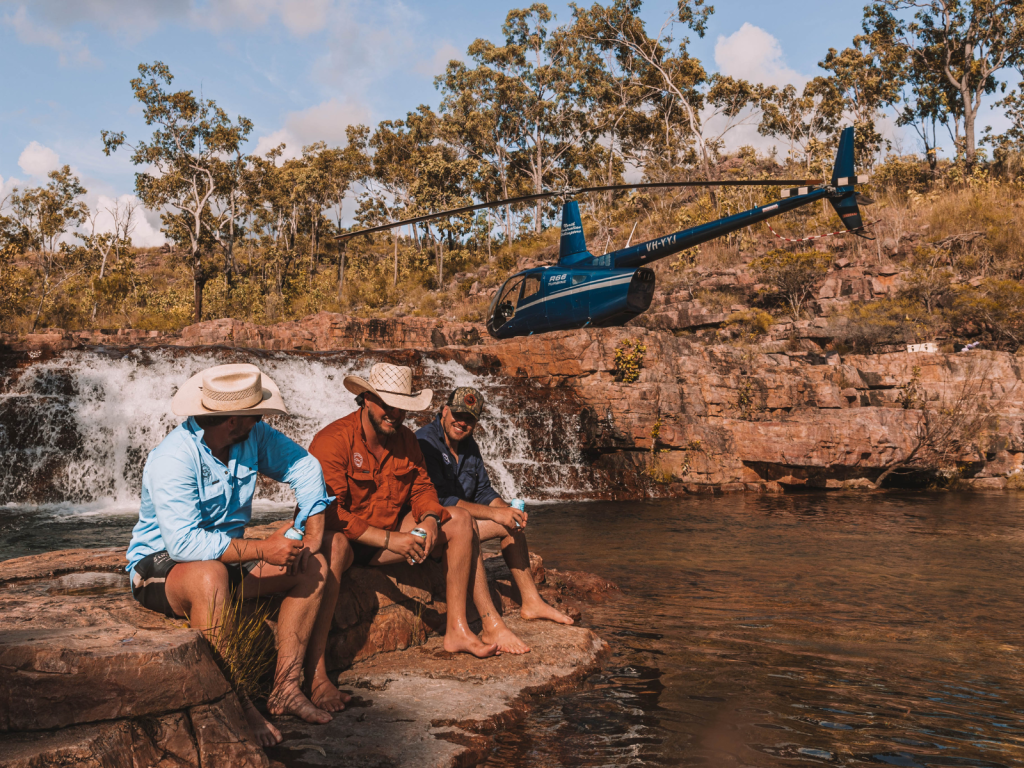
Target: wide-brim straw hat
393, 385
238, 389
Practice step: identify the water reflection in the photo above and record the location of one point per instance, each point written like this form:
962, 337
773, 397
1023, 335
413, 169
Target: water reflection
840, 629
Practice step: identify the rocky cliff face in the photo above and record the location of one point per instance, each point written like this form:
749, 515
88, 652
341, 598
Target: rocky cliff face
699, 417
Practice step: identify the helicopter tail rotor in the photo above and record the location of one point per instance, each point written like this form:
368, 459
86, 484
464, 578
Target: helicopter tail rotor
843, 180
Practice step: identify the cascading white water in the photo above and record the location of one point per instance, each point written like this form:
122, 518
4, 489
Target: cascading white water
93, 418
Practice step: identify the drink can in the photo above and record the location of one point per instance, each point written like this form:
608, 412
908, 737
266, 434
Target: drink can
294, 534
519, 504
421, 534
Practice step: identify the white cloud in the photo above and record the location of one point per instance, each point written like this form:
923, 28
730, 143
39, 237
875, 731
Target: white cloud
266, 143
327, 121
7, 186
438, 63
30, 32
37, 160
324, 122
752, 54
144, 234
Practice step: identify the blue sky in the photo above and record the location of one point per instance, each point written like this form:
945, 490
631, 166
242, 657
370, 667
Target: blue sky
303, 69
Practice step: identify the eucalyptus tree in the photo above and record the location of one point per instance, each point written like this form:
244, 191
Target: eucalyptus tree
959, 43
182, 161
862, 81
803, 119
535, 81
694, 110
45, 214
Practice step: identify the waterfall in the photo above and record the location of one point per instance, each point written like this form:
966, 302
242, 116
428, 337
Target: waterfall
75, 430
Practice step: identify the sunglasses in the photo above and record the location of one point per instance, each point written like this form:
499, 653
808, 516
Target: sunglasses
466, 419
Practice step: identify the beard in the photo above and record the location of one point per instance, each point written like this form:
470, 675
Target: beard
383, 426
456, 433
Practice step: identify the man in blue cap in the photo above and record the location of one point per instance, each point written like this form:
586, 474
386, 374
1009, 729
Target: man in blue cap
457, 471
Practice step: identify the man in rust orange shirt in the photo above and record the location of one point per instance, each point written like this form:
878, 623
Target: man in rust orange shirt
375, 468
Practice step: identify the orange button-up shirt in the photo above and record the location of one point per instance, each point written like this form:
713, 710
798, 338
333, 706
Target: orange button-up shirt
371, 493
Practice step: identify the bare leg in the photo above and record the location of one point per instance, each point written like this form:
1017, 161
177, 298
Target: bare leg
198, 590
495, 629
299, 609
517, 556
321, 691
459, 558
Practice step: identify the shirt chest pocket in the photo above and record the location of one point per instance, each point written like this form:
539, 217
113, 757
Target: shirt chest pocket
401, 484
212, 492
361, 487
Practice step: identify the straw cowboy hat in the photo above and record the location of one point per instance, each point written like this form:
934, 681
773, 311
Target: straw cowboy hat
229, 390
393, 385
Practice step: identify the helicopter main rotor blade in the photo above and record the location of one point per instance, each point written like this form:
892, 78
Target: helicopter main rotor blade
572, 192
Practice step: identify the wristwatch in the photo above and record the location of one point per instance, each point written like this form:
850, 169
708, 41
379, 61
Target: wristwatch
431, 514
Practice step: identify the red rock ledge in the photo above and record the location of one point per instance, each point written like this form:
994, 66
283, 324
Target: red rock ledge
88, 678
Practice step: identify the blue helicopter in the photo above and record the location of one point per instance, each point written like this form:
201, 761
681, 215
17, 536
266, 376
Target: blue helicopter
583, 290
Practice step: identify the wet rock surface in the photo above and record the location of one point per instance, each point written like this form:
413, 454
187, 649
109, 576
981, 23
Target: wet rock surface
426, 707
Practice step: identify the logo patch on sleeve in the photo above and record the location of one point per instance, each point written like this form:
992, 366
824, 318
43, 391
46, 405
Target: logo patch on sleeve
357, 459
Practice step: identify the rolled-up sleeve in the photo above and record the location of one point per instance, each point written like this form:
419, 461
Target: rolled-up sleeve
282, 459
174, 489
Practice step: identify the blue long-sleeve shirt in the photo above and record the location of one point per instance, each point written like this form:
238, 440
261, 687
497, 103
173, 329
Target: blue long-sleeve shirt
466, 478
193, 505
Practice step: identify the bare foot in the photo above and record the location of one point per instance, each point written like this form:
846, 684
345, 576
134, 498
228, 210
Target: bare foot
263, 730
506, 640
289, 700
542, 610
325, 695
467, 642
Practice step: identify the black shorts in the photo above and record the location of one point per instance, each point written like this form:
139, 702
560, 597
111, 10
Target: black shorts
364, 552
150, 573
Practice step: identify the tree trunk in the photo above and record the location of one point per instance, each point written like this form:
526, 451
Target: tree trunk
440, 263
396, 259
341, 272
970, 152
197, 281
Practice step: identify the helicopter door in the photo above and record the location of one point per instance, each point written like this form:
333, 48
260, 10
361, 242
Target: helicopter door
530, 312
580, 296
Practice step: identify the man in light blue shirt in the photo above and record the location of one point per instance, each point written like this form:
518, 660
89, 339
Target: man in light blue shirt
188, 553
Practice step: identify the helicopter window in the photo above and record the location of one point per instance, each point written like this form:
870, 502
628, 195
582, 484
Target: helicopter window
577, 279
530, 289
506, 307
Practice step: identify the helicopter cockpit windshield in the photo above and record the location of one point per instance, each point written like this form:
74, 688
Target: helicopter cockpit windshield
505, 308
514, 296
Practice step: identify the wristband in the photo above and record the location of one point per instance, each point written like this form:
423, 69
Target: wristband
431, 514
387, 540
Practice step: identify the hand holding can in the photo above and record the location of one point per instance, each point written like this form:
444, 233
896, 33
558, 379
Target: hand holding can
421, 534
519, 504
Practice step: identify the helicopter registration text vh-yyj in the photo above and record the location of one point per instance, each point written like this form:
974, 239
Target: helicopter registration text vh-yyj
583, 290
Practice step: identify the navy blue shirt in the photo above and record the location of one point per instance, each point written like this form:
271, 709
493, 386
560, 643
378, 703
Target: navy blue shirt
464, 479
